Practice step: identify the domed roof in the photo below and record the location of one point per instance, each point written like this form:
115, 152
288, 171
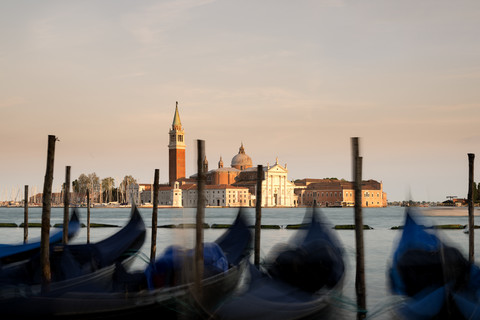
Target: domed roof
241, 160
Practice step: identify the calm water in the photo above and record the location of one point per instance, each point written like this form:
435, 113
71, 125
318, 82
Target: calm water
379, 242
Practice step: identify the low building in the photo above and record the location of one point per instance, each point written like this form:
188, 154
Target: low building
339, 193
216, 196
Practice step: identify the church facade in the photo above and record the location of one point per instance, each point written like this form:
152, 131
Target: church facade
277, 190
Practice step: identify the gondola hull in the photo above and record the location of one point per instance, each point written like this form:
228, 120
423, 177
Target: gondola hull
434, 279
284, 293
76, 267
111, 299
12, 253
171, 303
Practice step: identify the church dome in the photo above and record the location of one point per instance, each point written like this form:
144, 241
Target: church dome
241, 160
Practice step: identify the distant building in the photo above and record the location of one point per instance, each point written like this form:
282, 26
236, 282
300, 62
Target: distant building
217, 196
220, 175
237, 185
277, 190
176, 149
336, 193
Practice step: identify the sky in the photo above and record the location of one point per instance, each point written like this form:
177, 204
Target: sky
293, 80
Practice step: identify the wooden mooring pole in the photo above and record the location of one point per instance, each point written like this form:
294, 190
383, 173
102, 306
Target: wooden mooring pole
199, 219
153, 248
66, 202
88, 215
258, 215
360, 260
47, 204
25, 217
471, 258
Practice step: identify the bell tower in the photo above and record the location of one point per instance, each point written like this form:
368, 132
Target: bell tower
176, 149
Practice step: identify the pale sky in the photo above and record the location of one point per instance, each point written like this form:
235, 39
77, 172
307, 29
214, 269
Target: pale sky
290, 79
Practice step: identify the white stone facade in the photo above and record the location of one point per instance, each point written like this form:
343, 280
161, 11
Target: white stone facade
277, 190
170, 196
217, 196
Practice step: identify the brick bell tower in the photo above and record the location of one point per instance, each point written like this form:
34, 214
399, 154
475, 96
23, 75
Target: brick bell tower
176, 149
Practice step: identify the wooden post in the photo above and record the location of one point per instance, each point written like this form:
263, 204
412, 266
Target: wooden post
88, 215
258, 215
153, 251
47, 204
360, 261
66, 202
471, 258
25, 217
200, 218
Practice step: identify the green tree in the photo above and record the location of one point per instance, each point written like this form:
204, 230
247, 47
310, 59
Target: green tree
478, 193
90, 182
108, 185
475, 196
127, 180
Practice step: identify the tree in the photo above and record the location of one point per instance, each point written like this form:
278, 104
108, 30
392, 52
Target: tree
475, 195
478, 192
108, 184
127, 180
90, 182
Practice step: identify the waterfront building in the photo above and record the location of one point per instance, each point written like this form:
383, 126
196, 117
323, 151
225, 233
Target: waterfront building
277, 190
236, 185
217, 196
339, 193
133, 193
170, 195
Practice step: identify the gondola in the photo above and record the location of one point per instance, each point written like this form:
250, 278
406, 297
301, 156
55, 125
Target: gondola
76, 266
10, 253
297, 281
164, 288
434, 278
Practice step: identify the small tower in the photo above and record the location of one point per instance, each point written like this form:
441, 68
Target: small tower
205, 165
176, 149
220, 163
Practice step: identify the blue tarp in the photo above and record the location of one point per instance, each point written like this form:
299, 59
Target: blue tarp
162, 272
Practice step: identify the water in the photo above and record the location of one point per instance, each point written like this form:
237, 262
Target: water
379, 242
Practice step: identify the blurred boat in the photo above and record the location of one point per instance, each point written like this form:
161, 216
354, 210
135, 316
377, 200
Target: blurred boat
435, 279
10, 253
298, 280
165, 288
78, 266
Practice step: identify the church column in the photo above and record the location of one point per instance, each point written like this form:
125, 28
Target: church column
266, 189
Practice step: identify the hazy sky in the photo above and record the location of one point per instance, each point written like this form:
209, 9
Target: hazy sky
290, 79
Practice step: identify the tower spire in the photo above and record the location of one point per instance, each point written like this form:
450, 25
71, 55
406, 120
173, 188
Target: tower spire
177, 124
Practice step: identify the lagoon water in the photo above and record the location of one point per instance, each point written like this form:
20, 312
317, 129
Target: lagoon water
379, 242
